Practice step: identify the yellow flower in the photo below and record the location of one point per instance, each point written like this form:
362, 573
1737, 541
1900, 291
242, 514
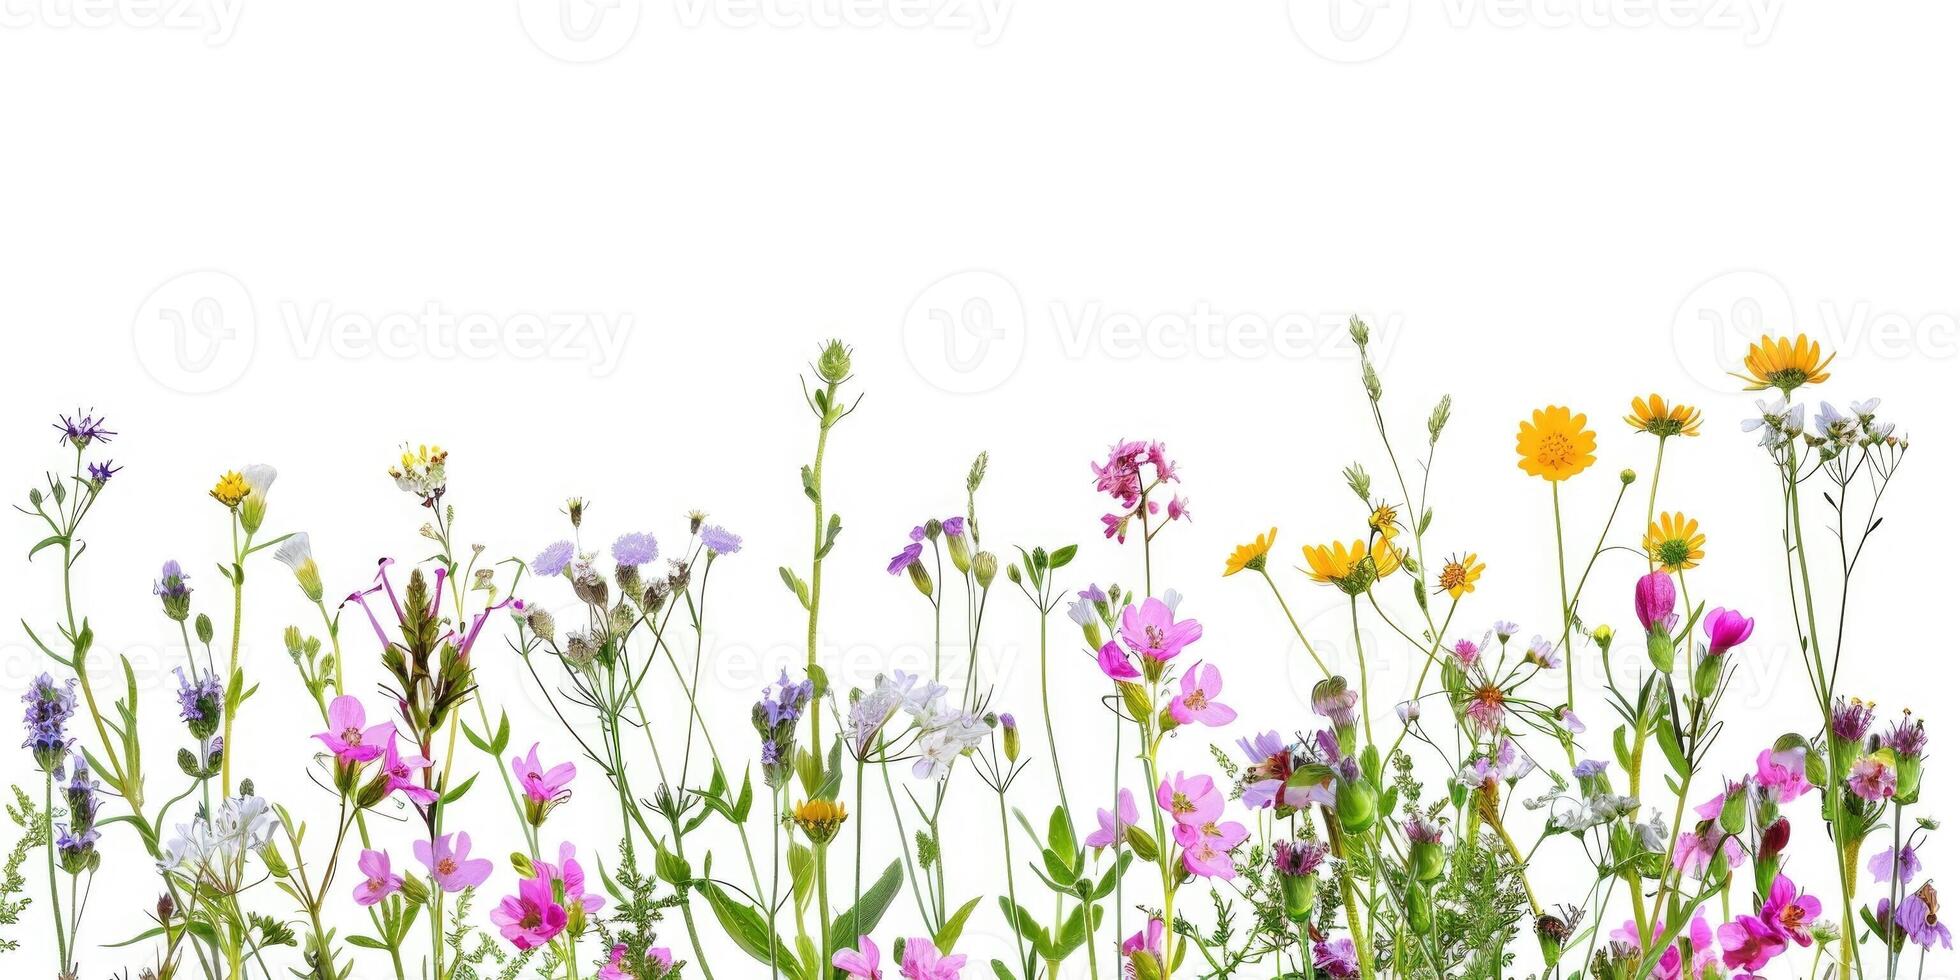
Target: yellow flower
231, 489
1382, 520
1674, 542
1351, 567
1252, 555
1555, 443
1460, 575
1653, 415
1784, 363
820, 819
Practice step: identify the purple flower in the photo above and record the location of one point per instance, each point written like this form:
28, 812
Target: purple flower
1851, 719
1653, 601
380, 879
1726, 629
553, 559
1112, 825
1298, 858
1153, 630
82, 428
49, 706
401, 769
1749, 943
452, 867
1907, 738
635, 548
349, 737
1115, 663
1873, 779
1883, 865
1198, 700
720, 541
1337, 958
544, 787
101, 472
904, 559
200, 702
1589, 767
1919, 915
783, 702
1780, 771
953, 527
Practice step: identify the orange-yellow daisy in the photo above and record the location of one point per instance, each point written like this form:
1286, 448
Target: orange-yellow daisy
1251, 555
1382, 520
1785, 364
1351, 567
1555, 443
1653, 415
1674, 542
231, 489
1459, 575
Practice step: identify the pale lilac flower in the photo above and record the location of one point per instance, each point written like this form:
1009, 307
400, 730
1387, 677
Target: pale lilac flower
635, 548
720, 541
1112, 826
553, 560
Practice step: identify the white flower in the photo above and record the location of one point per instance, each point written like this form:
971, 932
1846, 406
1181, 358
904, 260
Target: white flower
259, 477
1082, 612
937, 753
1171, 599
1865, 409
295, 551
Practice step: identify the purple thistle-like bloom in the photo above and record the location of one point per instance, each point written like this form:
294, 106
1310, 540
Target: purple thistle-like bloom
635, 548
1298, 858
553, 559
49, 706
102, 471
1907, 739
720, 541
1851, 719
904, 559
1337, 958
82, 428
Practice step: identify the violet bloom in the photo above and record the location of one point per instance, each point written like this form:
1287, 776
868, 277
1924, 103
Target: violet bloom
349, 737
1148, 941
1694, 852
1197, 702
904, 559
1298, 858
953, 527
1113, 826
860, 963
720, 540
49, 706
553, 559
1337, 958
1467, 652
1851, 719
532, 917
82, 428
635, 548
1653, 602
1267, 778
451, 866
1919, 916
1153, 630
381, 880
1903, 864
1726, 629
922, 961
1192, 800
1208, 847
401, 770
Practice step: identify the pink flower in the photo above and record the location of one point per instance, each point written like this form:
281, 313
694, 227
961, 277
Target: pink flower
860, 963
1337, 958
1653, 601
1208, 847
1113, 825
1701, 941
1194, 800
1694, 852
401, 772
615, 968
660, 961
1726, 629
1200, 686
543, 788
1467, 652
452, 867
1180, 509
1873, 779
1116, 527
1788, 912
923, 962
1149, 939
1781, 773
381, 880
1114, 663
1750, 943
532, 917
349, 737
1153, 630
569, 879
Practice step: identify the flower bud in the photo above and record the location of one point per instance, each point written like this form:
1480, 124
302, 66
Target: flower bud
985, 567
1422, 915
1010, 737
251, 511
541, 623
414, 890
1355, 802
921, 578
204, 629
1660, 650
1708, 674
834, 362
1627, 477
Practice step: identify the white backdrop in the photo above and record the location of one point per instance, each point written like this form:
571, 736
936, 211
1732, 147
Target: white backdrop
589, 256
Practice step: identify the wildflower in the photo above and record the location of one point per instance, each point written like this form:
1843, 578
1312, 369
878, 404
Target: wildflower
1654, 416
532, 917
1749, 943
1408, 711
1726, 629
1851, 719
1874, 778
1294, 862
296, 553
922, 961
258, 479
1352, 568
1784, 364
349, 737
381, 880
1902, 864
544, 789
1569, 720
1542, 652
1145, 943
1695, 850
401, 769
422, 472
1153, 632
1919, 915
1208, 847
1459, 575
82, 428
1178, 510
1555, 444
553, 560
1382, 520
1701, 944
1653, 603
1112, 826
1789, 912
1674, 542
1907, 743
1251, 555
1467, 652
1190, 801
200, 702
231, 489
100, 472
1335, 701
49, 706
820, 819
451, 865
1337, 958
1197, 702
1268, 780
957, 548
720, 541
860, 963
1485, 707
635, 548
1505, 629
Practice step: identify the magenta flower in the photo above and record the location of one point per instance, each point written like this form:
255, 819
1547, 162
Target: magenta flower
1208, 847
1336, 958
1653, 601
569, 878
532, 917
1115, 663
923, 962
1701, 941
349, 737
543, 788
1726, 629
452, 867
401, 772
1781, 773
905, 557
1750, 943
1904, 863
615, 968
1112, 826
1873, 779
1191, 800
1153, 630
1116, 527
1196, 704
381, 880
1790, 913
1149, 939
860, 963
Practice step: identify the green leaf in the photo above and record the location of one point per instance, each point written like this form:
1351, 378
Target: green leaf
1060, 840
1061, 556
49, 541
802, 874
672, 868
948, 935
745, 926
471, 735
457, 793
366, 942
871, 908
502, 741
